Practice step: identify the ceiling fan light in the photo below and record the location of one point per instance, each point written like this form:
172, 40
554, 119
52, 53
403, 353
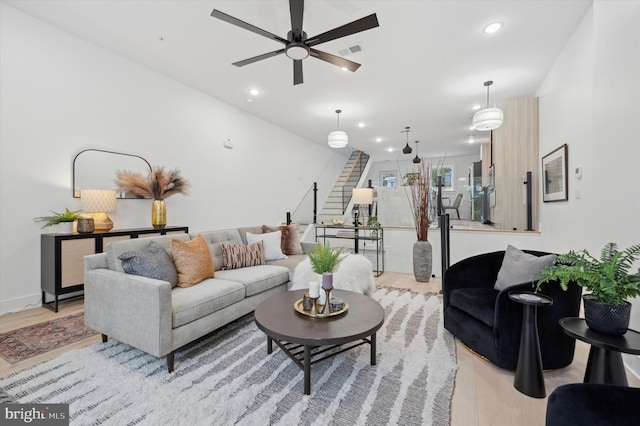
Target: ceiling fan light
488, 119
338, 139
297, 51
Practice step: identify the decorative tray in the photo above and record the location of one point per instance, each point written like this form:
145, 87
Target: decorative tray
298, 307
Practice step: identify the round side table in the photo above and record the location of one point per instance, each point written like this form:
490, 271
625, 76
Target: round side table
605, 359
529, 379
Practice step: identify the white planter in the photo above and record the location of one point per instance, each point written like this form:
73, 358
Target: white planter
65, 227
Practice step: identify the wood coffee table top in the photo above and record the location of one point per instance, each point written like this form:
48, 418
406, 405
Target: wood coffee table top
277, 317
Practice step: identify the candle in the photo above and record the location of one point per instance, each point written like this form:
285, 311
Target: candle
314, 289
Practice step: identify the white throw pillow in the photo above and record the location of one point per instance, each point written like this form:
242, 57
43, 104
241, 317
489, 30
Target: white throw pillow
519, 267
271, 243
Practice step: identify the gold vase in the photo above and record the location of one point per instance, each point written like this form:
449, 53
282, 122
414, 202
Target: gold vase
159, 214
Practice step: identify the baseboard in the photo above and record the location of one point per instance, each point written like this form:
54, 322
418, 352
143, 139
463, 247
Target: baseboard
18, 304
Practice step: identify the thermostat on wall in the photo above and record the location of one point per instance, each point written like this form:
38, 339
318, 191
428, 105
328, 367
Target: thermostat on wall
227, 143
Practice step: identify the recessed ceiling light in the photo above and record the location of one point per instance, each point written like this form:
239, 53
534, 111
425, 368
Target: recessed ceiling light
344, 68
249, 100
390, 149
476, 107
493, 28
361, 124
472, 127
254, 92
378, 139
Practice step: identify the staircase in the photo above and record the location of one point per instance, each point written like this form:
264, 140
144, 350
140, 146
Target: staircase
340, 196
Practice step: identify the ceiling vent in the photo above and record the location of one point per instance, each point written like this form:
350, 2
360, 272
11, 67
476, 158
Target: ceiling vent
350, 50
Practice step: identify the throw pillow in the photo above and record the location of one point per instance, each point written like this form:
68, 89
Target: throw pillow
519, 267
153, 261
240, 256
290, 242
271, 244
192, 260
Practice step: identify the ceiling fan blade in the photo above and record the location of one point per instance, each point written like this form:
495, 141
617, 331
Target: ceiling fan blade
258, 58
235, 21
356, 26
297, 73
296, 9
335, 60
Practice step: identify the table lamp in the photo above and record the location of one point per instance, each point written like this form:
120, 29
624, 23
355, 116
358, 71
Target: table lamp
99, 202
362, 197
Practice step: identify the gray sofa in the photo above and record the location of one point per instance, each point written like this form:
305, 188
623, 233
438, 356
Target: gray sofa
148, 314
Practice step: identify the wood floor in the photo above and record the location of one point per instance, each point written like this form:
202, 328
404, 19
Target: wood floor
483, 394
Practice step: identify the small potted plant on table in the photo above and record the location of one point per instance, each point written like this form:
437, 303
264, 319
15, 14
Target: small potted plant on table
606, 308
63, 220
324, 261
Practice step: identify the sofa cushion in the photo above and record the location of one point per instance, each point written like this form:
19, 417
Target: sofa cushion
152, 262
257, 279
193, 261
116, 248
271, 244
477, 302
290, 241
191, 303
215, 239
241, 256
519, 267
290, 263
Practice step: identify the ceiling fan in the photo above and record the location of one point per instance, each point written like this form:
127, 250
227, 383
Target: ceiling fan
297, 46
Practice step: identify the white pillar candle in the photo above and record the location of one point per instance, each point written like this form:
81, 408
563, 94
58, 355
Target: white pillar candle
314, 289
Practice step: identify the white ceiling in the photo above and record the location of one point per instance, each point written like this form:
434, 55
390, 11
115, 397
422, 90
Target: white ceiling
423, 67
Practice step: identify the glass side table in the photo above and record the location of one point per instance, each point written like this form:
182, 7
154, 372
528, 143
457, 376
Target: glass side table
529, 379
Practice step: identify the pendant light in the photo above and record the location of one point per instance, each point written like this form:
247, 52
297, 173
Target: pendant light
407, 149
417, 159
338, 138
488, 118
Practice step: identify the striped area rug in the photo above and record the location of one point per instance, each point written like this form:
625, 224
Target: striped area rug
228, 378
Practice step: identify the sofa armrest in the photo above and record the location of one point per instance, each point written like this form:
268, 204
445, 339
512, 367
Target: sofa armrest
132, 309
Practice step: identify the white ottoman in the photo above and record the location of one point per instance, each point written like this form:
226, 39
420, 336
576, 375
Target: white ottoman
354, 273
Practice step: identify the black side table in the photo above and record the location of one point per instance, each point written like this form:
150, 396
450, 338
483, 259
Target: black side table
529, 379
605, 358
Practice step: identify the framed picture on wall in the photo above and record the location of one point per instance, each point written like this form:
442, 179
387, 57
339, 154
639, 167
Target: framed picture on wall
555, 186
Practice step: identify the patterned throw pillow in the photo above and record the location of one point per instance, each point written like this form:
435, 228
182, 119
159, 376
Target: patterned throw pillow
290, 243
151, 262
240, 256
193, 261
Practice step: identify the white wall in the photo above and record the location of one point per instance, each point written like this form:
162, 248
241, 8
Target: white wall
589, 100
61, 94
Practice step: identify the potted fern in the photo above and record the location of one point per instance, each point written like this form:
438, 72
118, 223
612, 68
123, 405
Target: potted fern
608, 279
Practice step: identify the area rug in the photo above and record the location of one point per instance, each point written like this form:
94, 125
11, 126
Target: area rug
228, 378
23, 343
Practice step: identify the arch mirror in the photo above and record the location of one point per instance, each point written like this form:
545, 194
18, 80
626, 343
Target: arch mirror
96, 169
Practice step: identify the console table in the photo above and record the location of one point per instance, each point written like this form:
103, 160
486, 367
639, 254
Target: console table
62, 257
357, 234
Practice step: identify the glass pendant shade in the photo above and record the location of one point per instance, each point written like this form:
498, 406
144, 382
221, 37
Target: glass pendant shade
338, 139
488, 119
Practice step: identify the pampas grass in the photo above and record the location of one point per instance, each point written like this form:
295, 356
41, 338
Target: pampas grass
158, 185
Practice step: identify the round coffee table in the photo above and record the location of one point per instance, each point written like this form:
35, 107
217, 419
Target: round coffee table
318, 337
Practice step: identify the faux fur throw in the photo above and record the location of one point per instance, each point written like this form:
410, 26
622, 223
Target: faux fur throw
354, 273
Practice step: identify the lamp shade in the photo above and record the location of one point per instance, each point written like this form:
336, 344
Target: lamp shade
488, 119
362, 195
338, 139
98, 200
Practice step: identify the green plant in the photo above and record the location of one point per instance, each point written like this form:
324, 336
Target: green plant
67, 216
608, 278
374, 226
324, 258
